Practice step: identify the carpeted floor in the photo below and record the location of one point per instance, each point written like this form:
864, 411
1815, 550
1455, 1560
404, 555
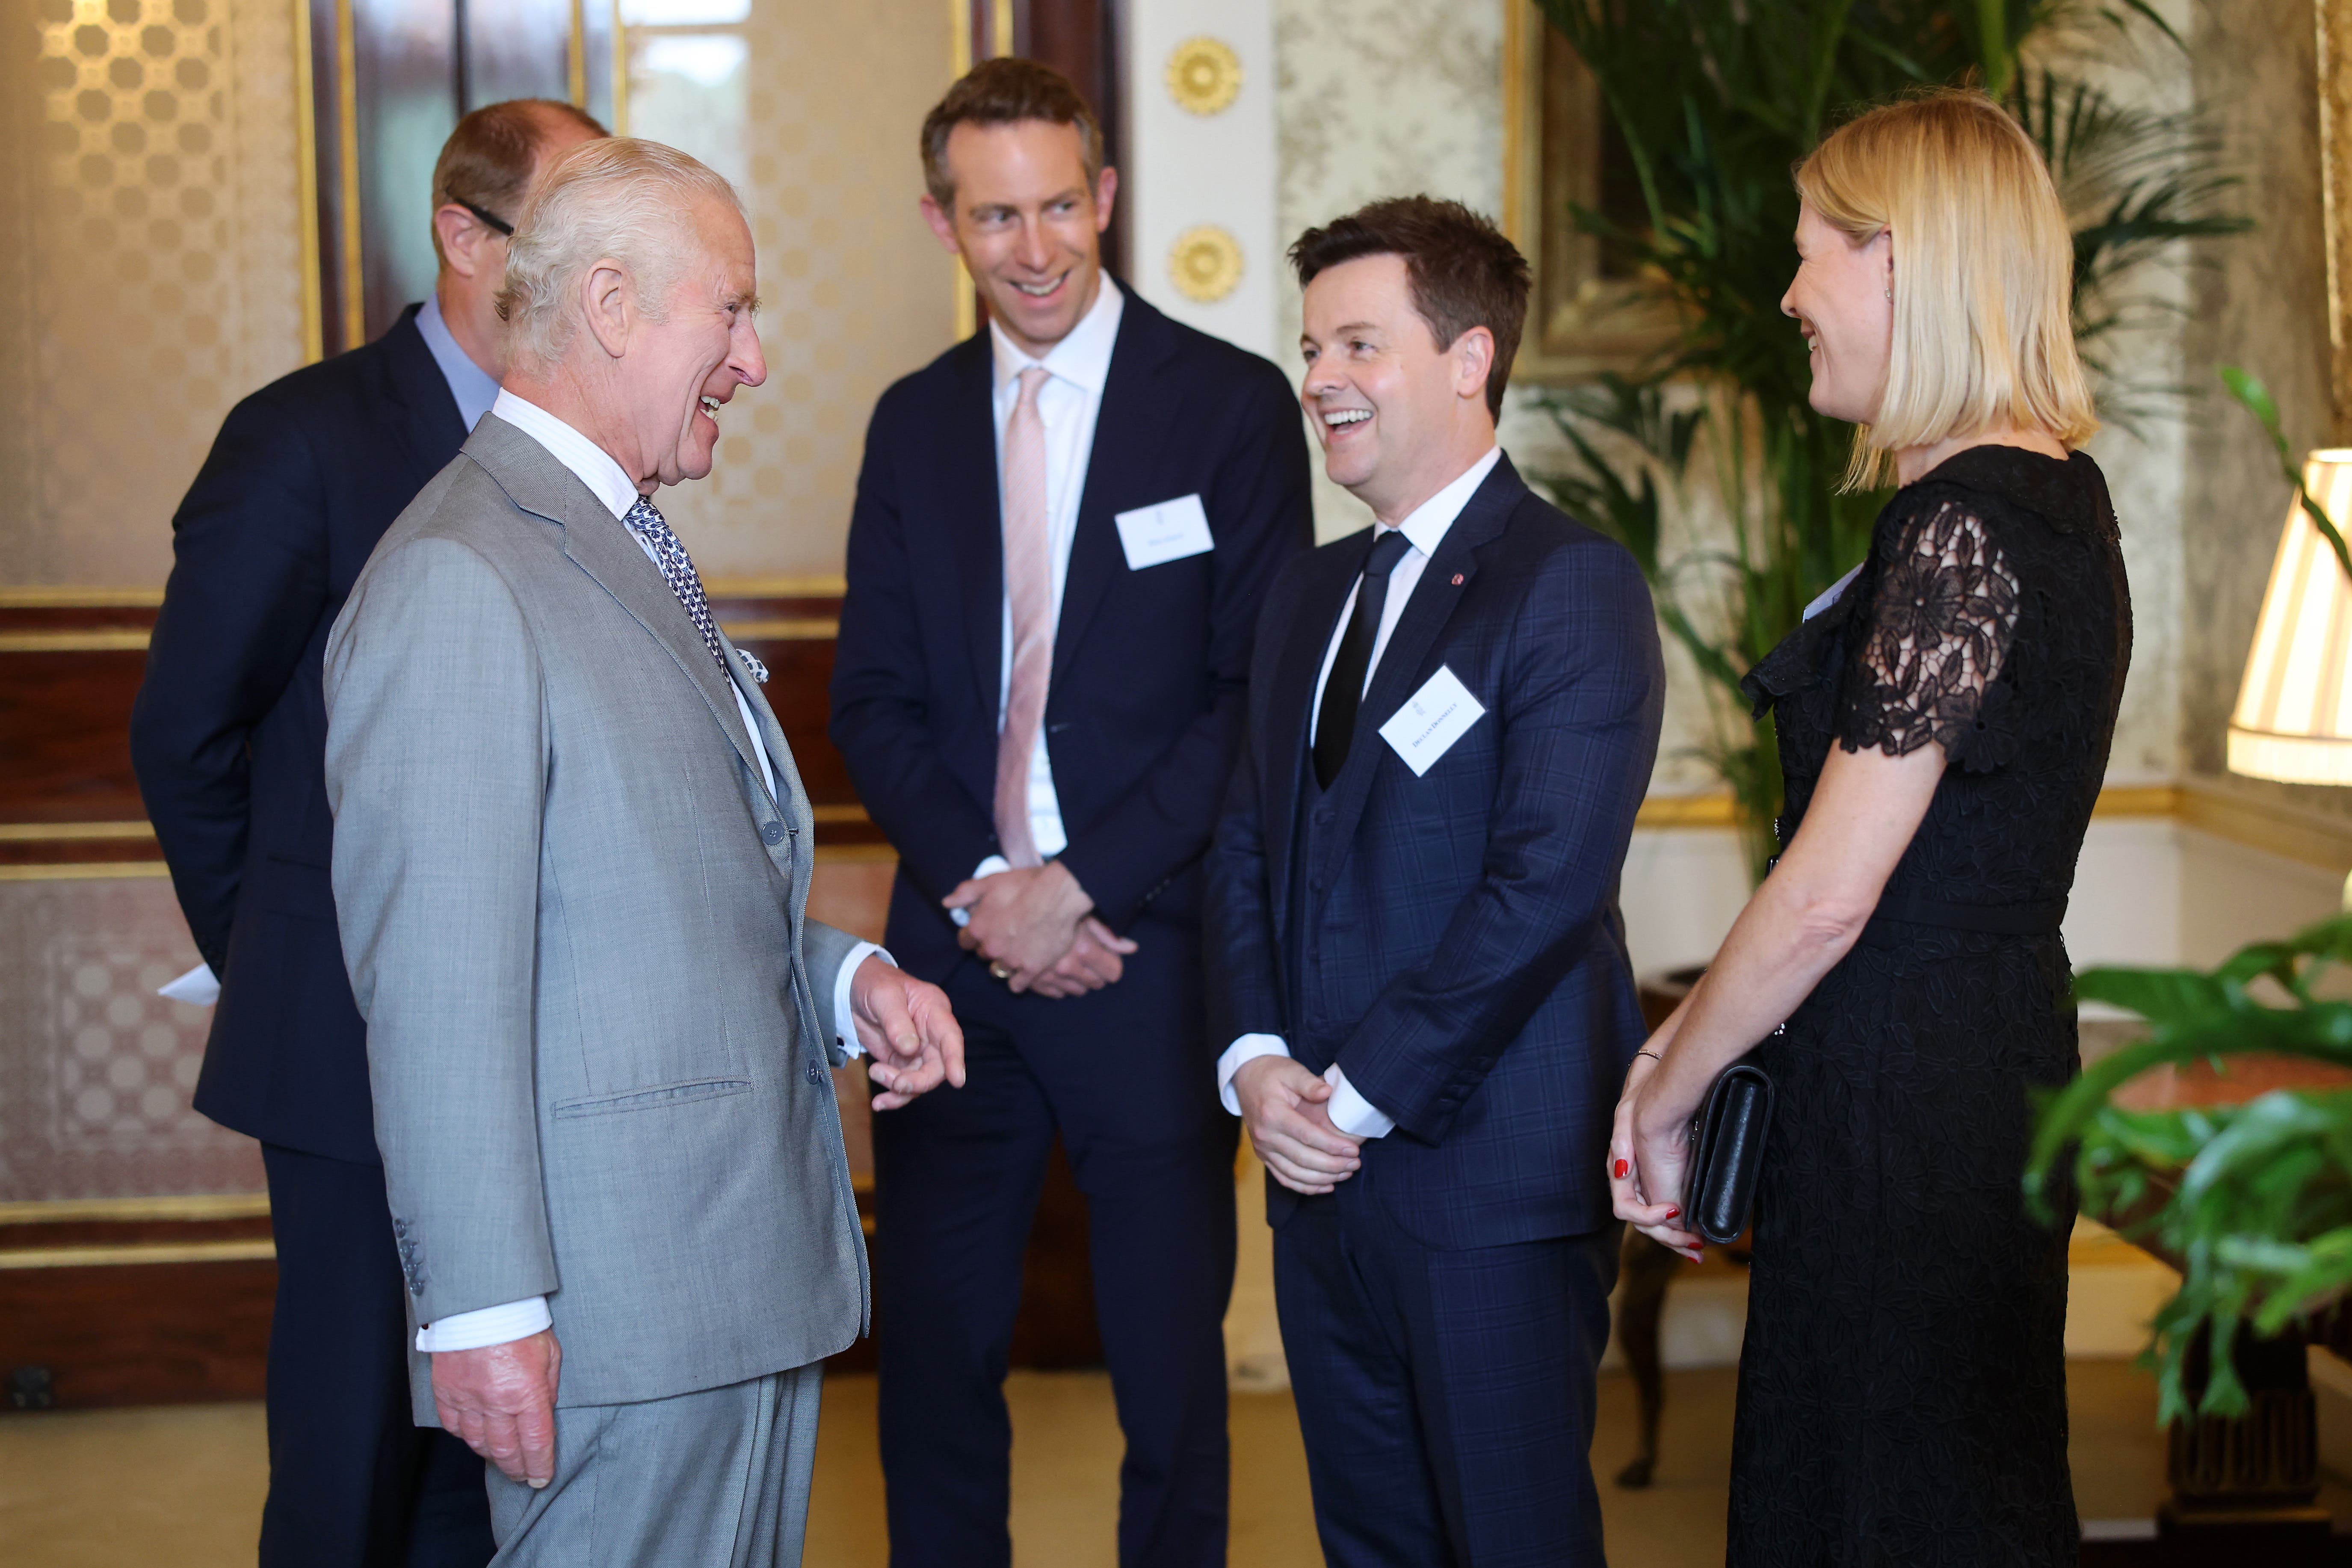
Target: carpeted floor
135, 1488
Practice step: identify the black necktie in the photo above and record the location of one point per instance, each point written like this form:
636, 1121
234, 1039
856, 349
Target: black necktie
1343, 693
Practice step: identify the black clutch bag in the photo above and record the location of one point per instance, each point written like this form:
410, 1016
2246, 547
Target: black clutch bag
1726, 1153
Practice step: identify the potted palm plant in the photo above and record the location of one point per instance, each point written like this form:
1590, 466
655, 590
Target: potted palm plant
1717, 100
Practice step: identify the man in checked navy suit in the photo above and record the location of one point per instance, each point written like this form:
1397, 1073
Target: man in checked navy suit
229, 742
1063, 530
1418, 973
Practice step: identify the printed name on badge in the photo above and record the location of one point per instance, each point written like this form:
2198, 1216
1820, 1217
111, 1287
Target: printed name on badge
1431, 721
1155, 535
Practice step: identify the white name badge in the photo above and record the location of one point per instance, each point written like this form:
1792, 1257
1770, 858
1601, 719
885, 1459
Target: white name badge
1431, 721
1155, 535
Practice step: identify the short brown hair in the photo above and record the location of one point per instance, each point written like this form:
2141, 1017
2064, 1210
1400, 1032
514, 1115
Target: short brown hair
1001, 92
1463, 272
486, 161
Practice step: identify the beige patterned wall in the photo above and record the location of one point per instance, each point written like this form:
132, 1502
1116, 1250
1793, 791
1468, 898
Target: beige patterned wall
148, 266
855, 292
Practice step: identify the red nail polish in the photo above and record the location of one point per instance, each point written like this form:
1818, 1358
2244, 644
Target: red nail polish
1673, 1214
1622, 1168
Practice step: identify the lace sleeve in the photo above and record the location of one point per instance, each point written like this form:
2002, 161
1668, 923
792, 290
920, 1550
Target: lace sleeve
1927, 665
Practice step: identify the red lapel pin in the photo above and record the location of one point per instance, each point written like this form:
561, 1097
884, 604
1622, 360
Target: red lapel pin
1457, 579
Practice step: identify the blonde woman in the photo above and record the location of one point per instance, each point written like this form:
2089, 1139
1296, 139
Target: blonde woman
1944, 724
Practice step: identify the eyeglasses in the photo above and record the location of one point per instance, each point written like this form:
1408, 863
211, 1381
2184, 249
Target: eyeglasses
489, 219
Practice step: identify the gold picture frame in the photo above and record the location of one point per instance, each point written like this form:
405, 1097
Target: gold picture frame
1582, 320
2334, 21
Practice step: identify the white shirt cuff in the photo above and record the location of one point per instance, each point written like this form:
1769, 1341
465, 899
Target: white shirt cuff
490, 1326
1350, 1112
844, 1011
1248, 1048
988, 867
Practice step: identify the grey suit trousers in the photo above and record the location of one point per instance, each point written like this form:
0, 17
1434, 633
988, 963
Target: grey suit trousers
718, 1479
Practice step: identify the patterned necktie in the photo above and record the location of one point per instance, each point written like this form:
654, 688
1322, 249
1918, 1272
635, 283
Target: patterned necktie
1343, 692
645, 520
1029, 586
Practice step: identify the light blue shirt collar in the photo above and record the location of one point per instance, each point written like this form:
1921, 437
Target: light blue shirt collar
474, 388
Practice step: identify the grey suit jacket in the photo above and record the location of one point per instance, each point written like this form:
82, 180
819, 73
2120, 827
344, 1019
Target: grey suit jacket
598, 1019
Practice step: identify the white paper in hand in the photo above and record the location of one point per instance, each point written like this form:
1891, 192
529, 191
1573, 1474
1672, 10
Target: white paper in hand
1155, 535
198, 985
1431, 721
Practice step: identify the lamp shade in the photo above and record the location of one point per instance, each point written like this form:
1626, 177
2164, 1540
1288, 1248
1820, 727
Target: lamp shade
2293, 717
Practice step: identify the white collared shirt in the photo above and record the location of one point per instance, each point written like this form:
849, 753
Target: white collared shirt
474, 388
1069, 405
610, 484
1425, 529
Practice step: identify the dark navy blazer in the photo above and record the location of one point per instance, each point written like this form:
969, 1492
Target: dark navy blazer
229, 733
1452, 941
1143, 716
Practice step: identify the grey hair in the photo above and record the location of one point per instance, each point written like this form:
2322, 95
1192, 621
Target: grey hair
620, 199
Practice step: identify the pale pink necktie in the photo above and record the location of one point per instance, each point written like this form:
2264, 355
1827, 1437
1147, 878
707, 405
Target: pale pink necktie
1029, 586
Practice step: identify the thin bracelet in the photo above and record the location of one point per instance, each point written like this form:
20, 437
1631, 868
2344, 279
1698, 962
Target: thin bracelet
1652, 1056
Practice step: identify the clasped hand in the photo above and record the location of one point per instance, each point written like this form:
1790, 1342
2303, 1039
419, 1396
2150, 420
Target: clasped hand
1649, 1150
1038, 925
1287, 1111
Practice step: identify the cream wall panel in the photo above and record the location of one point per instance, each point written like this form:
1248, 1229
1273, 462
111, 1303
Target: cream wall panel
854, 291
152, 273
1217, 169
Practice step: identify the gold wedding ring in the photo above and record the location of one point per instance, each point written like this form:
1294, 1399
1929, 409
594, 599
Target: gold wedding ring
1000, 971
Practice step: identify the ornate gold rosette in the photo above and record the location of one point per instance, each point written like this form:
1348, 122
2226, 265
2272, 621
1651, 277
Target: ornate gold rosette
1204, 75
1205, 263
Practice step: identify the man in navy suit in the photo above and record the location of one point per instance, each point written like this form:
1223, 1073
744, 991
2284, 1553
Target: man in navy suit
1063, 530
230, 741
1413, 942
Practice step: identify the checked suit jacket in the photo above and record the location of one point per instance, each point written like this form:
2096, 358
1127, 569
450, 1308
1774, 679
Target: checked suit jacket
1452, 941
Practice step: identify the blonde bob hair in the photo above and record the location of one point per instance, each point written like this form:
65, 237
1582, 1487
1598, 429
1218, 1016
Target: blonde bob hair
618, 199
1983, 276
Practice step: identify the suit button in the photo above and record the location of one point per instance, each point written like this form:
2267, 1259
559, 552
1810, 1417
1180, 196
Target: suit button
816, 1073
771, 832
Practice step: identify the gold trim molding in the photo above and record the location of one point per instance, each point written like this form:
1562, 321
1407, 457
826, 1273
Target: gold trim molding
806, 629
84, 872
256, 1249
101, 639
814, 586
79, 598
123, 1211
53, 832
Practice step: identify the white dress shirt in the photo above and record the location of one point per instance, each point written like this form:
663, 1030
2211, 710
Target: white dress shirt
1067, 405
1425, 528
611, 484
474, 388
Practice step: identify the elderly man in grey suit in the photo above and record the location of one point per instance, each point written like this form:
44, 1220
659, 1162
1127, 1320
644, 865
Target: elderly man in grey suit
571, 864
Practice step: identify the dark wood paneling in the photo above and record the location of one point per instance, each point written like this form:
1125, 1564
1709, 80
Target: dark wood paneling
168, 1333
65, 729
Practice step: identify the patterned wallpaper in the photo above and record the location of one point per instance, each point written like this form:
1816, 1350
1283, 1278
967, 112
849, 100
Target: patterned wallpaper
854, 291
149, 265
97, 1072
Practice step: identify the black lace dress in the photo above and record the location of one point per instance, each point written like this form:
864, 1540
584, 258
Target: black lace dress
1902, 1386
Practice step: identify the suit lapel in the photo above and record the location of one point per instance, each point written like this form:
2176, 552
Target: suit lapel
1399, 674
600, 546
429, 429
1283, 778
968, 459
1128, 439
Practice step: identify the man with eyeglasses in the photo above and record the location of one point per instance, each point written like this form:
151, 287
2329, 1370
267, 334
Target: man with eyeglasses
229, 739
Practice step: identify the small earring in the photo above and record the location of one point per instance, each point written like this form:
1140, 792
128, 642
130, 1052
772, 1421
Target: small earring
1890, 293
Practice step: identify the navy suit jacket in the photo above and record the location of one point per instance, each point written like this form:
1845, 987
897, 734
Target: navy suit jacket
229, 733
1144, 713
1453, 939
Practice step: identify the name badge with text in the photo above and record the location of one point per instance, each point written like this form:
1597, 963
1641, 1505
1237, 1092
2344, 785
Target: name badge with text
1155, 535
1431, 721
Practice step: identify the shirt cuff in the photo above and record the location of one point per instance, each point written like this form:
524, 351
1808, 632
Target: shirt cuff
1350, 1112
1248, 1048
988, 867
844, 1011
490, 1326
